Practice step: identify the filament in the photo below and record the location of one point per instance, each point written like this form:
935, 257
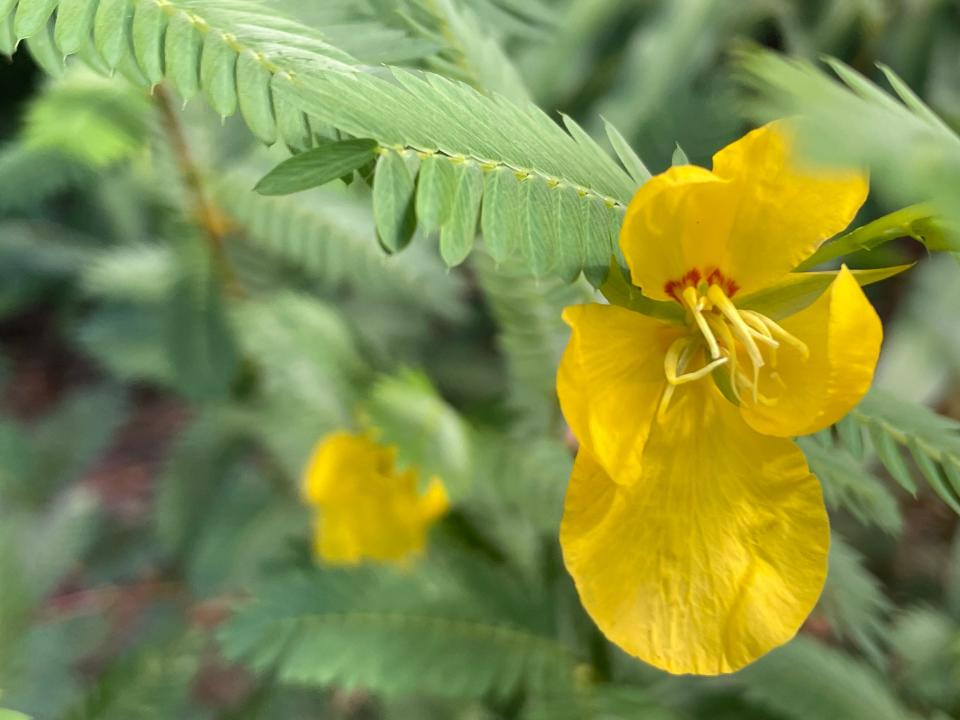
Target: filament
696, 308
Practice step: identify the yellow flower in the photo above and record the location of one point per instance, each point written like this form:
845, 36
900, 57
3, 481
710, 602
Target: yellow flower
694, 531
367, 509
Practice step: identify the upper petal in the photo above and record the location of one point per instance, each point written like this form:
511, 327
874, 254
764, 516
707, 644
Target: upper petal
610, 382
754, 218
714, 556
843, 334
337, 459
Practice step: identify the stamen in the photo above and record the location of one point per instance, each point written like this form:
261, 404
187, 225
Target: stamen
780, 333
702, 372
665, 402
675, 362
722, 302
696, 308
729, 347
759, 330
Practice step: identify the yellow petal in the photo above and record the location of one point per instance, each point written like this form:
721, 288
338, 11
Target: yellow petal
714, 556
383, 520
843, 334
610, 382
366, 509
754, 218
678, 221
337, 455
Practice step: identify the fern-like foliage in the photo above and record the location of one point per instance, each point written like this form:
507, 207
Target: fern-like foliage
331, 237
450, 155
531, 336
924, 643
895, 428
847, 483
806, 680
230, 50
363, 628
854, 603
454, 158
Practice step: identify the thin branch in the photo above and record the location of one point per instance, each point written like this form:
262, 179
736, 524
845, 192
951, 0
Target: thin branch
207, 216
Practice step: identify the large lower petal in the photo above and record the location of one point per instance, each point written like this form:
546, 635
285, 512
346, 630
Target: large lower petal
843, 334
610, 382
754, 218
714, 556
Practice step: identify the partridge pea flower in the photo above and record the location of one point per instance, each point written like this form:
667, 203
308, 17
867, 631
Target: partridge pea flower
694, 531
366, 508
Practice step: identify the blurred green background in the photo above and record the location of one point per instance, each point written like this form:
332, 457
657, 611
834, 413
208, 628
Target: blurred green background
172, 345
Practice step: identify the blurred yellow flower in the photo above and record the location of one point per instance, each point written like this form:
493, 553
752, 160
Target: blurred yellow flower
694, 531
366, 508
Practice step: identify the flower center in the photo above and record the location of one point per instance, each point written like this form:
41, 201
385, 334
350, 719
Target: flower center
741, 342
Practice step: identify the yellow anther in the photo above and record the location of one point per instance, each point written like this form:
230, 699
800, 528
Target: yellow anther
695, 305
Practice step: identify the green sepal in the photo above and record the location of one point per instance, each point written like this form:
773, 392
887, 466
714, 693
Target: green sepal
919, 222
721, 379
800, 290
618, 290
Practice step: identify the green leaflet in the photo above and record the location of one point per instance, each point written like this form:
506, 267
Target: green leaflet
328, 161
932, 440
112, 29
291, 123
149, 26
8, 38
435, 190
6, 7
601, 238
44, 51
74, 24
537, 226
679, 157
572, 236
460, 229
848, 484
182, 48
500, 215
31, 17
800, 289
218, 68
393, 210
254, 97
920, 222
889, 454
631, 161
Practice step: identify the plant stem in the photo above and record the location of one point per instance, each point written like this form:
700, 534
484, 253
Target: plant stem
207, 216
